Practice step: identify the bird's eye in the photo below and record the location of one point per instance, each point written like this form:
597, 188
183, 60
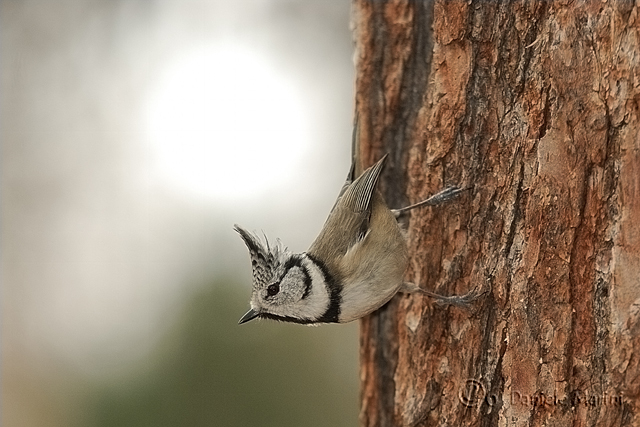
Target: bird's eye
273, 289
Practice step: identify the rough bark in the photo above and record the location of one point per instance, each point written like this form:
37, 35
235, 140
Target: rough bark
536, 107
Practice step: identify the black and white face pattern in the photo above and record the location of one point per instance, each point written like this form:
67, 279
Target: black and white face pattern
289, 287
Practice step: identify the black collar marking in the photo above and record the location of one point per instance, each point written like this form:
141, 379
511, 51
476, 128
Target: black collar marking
335, 293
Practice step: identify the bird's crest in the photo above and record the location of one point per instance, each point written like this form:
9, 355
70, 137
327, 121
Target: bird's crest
265, 258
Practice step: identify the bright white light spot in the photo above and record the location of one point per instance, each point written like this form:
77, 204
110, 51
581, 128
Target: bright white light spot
224, 124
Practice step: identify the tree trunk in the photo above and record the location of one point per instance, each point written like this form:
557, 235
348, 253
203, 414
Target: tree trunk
535, 107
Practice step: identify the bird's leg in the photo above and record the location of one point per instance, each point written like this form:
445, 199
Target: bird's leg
408, 287
440, 197
457, 300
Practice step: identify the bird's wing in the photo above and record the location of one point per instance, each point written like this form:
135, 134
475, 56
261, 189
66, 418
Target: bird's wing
357, 197
348, 222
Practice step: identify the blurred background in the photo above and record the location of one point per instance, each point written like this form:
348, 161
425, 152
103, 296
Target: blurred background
134, 134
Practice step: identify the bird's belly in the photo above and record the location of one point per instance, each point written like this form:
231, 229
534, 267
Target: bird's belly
360, 299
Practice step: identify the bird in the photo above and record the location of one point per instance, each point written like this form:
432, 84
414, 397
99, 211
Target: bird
355, 265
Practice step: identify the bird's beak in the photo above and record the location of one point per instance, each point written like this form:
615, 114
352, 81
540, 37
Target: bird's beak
249, 315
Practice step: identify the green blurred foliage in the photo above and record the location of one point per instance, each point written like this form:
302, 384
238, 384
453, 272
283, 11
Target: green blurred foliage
210, 371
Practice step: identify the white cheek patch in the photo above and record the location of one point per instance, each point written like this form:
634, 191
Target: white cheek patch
292, 286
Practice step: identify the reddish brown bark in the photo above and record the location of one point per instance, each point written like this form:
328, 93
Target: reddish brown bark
536, 107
